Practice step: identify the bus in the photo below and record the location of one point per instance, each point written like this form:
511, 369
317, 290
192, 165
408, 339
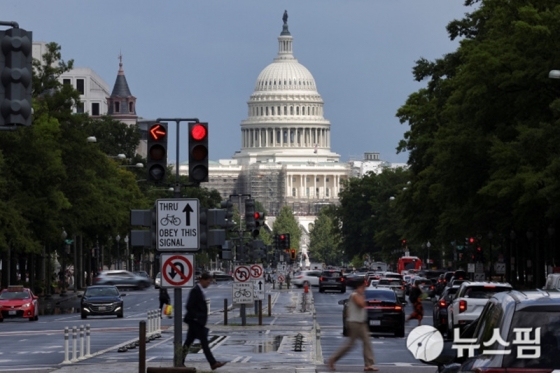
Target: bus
408, 263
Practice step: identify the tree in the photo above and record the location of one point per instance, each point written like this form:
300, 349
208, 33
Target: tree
323, 240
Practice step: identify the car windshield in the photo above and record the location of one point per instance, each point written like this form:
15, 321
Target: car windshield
484, 292
386, 296
15, 295
549, 324
101, 292
332, 274
395, 282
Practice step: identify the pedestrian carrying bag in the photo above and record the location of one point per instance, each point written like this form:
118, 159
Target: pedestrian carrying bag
168, 310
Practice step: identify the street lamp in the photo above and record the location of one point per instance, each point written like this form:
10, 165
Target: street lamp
128, 264
554, 74
118, 238
428, 245
91, 139
137, 165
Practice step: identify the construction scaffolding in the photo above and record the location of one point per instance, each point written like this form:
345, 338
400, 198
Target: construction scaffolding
265, 183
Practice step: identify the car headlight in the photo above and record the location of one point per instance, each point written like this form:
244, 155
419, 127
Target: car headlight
26, 305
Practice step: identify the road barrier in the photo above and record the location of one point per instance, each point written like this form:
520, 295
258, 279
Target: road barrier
83, 354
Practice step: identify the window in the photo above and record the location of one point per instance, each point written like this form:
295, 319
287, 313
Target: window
291, 110
131, 107
294, 179
306, 179
316, 191
267, 110
285, 110
66, 81
272, 110
293, 192
117, 107
95, 108
278, 136
327, 179
297, 110
327, 192
80, 85
317, 179
307, 192
261, 111
80, 108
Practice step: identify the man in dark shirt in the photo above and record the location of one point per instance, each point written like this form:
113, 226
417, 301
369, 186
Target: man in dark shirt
196, 317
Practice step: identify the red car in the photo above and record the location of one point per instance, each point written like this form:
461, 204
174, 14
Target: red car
17, 302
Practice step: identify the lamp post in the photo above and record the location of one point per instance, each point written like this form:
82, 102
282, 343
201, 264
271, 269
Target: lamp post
128, 263
117, 265
428, 245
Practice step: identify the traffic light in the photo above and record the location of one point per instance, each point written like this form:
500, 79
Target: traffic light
403, 243
16, 76
228, 206
282, 242
259, 219
293, 254
157, 152
198, 152
250, 223
479, 254
276, 241
287, 241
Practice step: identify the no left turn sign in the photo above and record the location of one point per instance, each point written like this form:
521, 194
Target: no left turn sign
177, 270
241, 274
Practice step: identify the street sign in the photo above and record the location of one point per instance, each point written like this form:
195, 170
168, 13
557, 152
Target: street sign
500, 268
257, 272
177, 270
258, 290
479, 267
241, 274
470, 268
479, 276
281, 278
243, 293
177, 224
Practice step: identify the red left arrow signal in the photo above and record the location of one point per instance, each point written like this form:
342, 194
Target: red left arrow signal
157, 131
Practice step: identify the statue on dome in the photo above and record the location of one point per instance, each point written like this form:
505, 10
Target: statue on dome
285, 17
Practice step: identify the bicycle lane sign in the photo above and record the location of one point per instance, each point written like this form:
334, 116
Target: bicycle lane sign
242, 293
177, 223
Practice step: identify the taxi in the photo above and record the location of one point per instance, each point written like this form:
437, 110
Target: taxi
18, 302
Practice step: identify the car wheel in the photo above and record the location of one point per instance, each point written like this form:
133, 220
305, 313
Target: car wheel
32, 318
399, 333
37, 318
84, 316
141, 286
1, 320
120, 315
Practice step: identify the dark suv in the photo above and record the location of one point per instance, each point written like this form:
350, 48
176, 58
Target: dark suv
514, 317
332, 280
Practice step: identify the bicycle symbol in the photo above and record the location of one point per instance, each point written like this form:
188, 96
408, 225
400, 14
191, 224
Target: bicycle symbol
170, 219
242, 293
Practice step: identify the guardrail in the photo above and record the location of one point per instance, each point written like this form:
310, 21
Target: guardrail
83, 353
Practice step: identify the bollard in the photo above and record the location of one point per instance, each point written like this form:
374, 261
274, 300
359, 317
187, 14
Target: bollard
158, 323
74, 343
280, 287
269, 305
88, 345
149, 329
225, 311
260, 311
81, 342
66, 346
142, 347
273, 284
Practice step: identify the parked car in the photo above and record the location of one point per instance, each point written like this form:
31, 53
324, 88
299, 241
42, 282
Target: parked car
332, 280
123, 279
385, 311
101, 300
221, 276
440, 308
503, 316
157, 281
312, 278
468, 302
17, 302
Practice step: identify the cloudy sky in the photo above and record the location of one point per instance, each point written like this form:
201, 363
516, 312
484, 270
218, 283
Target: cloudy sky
201, 58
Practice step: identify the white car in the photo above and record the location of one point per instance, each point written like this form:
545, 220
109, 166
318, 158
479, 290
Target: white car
312, 278
469, 300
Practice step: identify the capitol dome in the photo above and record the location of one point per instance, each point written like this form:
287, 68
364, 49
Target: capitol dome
285, 117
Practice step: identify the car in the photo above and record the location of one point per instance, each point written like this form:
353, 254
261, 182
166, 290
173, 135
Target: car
122, 278
426, 285
393, 284
311, 277
384, 310
504, 318
332, 280
143, 274
221, 276
102, 300
440, 308
552, 282
157, 281
18, 302
468, 302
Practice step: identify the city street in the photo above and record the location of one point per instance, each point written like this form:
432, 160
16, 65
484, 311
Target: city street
40, 345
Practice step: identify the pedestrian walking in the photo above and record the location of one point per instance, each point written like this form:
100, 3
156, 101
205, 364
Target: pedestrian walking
415, 297
356, 324
196, 317
164, 299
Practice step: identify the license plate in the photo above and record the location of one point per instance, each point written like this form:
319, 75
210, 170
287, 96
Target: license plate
102, 308
11, 312
374, 322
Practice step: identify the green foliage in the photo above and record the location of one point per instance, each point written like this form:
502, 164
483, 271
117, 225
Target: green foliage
324, 242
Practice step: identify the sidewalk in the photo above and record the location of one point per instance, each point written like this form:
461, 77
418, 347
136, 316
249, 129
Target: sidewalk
273, 346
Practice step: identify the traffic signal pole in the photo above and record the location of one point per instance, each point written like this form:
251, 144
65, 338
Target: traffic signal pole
177, 293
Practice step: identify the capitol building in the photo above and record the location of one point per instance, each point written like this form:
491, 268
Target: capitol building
285, 156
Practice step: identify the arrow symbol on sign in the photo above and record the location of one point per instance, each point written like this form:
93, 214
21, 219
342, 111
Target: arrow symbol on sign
260, 285
172, 273
187, 210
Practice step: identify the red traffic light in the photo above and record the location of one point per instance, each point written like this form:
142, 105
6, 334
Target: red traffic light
471, 240
198, 132
257, 215
282, 237
157, 132
479, 249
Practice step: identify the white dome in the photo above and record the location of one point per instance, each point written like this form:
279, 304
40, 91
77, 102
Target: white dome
285, 75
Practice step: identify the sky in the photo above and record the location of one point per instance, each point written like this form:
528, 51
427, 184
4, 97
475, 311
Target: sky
201, 58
